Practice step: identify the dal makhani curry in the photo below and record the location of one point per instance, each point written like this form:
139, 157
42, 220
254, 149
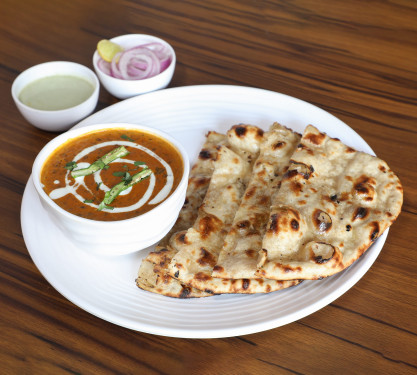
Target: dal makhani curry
112, 174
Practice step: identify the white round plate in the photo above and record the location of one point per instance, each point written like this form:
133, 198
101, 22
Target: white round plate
106, 287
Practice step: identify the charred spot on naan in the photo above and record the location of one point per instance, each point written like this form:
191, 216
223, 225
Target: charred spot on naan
321, 252
162, 256
374, 231
206, 258
180, 238
218, 268
250, 192
284, 218
208, 225
286, 268
279, 145
244, 228
364, 187
297, 168
250, 253
202, 276
199, 181
308, 150
205, 154
185, 292
245, 284
295, 225
382, 168
296, 187
322, 221
315, 138
360, 213
242, 130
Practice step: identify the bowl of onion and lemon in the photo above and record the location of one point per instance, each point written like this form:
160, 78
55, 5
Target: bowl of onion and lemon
134, 64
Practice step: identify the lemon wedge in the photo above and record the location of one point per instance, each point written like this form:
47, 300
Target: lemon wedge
107, 49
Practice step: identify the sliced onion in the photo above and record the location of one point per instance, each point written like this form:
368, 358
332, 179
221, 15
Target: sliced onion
140, 62
159, 49
114, 67
165, 63
104, 66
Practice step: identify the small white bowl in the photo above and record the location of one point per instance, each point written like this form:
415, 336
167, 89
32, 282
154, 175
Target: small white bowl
123, 89
56, 120
113, 237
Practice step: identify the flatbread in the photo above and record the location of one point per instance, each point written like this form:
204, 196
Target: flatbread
199, 247
333, 203
198, 183
152, 274
239, 255
245, 140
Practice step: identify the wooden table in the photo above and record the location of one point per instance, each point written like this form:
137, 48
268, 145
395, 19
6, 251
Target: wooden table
355, 59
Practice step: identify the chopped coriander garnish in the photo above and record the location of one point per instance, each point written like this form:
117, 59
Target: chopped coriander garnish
101, 163
124, 136
127, 182
139, 163
71, 165
88, 200
104, 206
126, 177
98, 185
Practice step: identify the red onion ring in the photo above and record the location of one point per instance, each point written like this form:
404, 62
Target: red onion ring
104, 66
114, 68
139, 62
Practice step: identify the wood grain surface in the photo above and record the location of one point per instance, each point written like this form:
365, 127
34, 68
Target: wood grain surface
356, 59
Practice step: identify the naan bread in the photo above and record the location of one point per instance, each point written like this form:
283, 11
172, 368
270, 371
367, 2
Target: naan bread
199, 247
332, 205
153, 275
245, 140
239, 254
198, 183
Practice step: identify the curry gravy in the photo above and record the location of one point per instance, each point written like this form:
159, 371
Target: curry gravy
81, 196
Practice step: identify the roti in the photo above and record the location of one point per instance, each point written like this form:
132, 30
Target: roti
333, 203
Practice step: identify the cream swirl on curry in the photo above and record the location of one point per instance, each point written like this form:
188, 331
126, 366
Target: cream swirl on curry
145, 169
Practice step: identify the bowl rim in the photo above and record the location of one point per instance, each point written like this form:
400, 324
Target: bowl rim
96, 57
75, 132
15, 95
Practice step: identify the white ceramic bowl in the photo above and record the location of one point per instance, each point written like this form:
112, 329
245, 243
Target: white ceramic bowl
123, 89
113, 237
59, 120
